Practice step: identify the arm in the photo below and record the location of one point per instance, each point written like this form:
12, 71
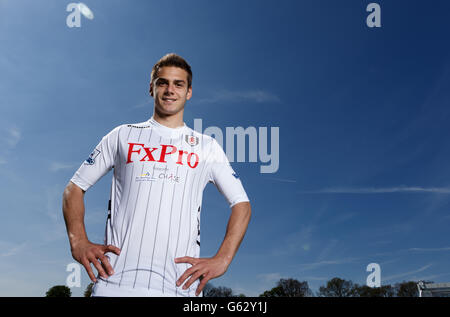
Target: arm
210, 268
236, 228
82, 249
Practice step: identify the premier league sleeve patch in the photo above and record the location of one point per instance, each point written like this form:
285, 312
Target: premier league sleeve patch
91, 159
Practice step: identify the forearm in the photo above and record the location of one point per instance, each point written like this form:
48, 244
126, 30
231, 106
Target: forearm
82, 249
216, 266
236, 228
73, 211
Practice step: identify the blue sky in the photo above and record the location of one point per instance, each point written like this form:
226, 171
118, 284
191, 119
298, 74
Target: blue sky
362, 115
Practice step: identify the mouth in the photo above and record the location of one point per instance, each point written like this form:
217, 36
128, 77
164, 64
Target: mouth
168, 100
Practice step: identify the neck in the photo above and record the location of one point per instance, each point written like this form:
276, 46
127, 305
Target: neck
171, 120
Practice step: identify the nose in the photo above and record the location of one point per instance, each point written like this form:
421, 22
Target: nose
170, 88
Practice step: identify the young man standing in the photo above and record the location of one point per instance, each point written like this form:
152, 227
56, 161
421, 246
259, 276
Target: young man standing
161, 167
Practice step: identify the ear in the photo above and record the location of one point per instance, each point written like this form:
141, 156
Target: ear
151, 89
189, 93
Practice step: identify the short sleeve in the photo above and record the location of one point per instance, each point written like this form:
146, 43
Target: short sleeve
222, 175
99, 162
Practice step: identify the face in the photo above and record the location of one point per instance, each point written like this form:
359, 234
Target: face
170, 90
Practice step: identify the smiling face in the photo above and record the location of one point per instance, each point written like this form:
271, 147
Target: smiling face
170, 90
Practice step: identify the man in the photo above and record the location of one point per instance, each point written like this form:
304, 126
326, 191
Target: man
161, 167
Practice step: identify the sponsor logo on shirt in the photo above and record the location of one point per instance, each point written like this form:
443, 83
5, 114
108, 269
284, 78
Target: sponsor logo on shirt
147, 177
169, 177
191, 140
160, 154
91, 159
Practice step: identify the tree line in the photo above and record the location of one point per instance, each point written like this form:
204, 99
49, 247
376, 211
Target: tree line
335, 287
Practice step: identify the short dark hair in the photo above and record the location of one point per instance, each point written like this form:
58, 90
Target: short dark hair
172, 59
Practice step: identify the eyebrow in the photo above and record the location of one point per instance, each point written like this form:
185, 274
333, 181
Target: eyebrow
175, 81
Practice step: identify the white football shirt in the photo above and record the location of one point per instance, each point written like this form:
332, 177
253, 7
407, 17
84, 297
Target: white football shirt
156, 201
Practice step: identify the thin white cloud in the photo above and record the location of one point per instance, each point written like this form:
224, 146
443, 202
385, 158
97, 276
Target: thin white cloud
57, 166
315, 265
269, 277
396, 276
330, 247
430, 249
372, 190
388, 262
296, 242
10, 137
406, 251
8, 249
14, 136
255, 96
341, 218
283, 180
432, 277
144, 104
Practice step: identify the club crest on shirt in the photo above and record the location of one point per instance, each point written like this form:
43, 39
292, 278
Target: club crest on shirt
91, 159
191, 140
